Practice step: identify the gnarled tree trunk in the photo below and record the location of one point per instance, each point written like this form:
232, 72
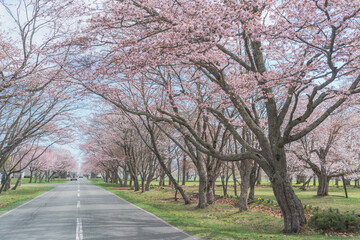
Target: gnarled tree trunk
290, 204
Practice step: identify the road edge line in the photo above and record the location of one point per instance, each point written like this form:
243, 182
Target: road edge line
151, 214
25, 203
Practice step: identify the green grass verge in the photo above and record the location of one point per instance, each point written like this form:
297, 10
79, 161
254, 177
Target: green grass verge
223, 221
26, 181
14, 198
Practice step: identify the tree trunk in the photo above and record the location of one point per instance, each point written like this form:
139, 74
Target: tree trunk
31, 176
121, 184
254, 171
169, 168
184, 171
150, 177
142, 184
41, 178
346, 193
126, 177
290, 204
178, 169
306, 183
347, 182
233, 170
258, 177
210, 189
203, 180
18, 182
245, 170
314, 180
223, 185
162, 178
323, 188
7, 184
300, 179
168, 173
136, 183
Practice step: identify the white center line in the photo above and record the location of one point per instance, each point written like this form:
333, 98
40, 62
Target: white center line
78, 204
78, 194
79, 231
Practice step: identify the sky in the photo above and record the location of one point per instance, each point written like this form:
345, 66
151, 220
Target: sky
85, 108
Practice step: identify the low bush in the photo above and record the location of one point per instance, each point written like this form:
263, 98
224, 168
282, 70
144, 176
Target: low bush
335, 222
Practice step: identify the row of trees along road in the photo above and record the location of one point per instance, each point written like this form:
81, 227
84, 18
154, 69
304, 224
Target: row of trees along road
34, 96
232, 81
224, 80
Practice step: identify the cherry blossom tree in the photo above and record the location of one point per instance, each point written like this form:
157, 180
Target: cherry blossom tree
250, 55
34, 99
53, 161
332, 149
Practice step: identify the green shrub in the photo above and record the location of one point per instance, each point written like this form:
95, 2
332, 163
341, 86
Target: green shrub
335, 222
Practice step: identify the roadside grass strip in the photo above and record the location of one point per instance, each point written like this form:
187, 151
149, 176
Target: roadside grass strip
14, 198
222, 220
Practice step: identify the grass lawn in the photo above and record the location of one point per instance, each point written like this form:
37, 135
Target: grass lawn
12, 199
223, 221
26, 181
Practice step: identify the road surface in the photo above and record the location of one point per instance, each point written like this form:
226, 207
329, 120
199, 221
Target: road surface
80, 210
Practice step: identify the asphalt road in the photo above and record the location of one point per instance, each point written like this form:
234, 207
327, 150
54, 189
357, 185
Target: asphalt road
80, 210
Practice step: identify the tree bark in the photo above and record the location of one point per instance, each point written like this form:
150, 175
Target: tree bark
254, 171
203, 180
136, 183
223, 185
258, 177
290, 204
126, 176
31, 176
142, 184
323, 188
344, 184
169, 168
234, 179
18, 182
210, 189
150, 177
162, 178
245, 170
184, 171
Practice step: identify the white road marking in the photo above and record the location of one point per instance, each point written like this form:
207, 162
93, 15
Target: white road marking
78, 194
189, 236
79, 231
78, 204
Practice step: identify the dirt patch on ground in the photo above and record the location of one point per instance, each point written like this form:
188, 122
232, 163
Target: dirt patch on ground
3, 204
120, 188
